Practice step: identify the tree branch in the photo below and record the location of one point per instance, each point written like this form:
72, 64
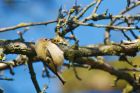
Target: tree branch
27, 48
109, 26
108, 68
33, 76
21, 25
129, 49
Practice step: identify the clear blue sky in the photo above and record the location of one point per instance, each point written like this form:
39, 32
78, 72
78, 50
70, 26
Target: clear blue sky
41, 10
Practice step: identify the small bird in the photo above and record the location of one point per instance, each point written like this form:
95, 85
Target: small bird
50, 54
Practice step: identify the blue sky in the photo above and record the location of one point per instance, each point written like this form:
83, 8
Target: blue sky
41, 10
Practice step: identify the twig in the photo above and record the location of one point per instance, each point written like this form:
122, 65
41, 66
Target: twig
20, 33
20, 60
131, 31
126, 36
107, 31
5, 78
106, 67
44, 88
76, 65
131, 7
21, 25
33, 77
85, 9
45, 71
133, 34
109, 27
75, 72
97, 17
130, 69
97, 5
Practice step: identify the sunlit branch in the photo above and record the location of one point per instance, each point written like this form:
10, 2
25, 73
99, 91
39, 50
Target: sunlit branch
109, 27
21, 25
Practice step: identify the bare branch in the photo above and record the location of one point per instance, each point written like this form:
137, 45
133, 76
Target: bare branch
92, 50
107, 32
131, 7
33, 76
20, 60
109, 27
129, 49
97, 5
85, 9
21, 25
106, 67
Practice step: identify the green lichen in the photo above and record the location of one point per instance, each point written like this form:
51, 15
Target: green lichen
109, 50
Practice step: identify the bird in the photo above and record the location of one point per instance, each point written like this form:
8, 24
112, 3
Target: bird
51, 55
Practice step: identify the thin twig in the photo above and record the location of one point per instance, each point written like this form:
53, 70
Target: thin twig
45, 71
109, 26
126, 36
131, 7
120, 16
33, 77
130, 69
97, 5
7, 79
75, 72
133, 34
85, 9
21, 25
107, 31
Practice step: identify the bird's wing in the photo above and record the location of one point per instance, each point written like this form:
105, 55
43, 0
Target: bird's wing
50, 48
56, 53
51, 64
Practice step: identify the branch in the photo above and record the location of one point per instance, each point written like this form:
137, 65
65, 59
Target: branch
108, 26
96, 17
106, 67
131, 7
27, 48
33, 76
97, 5
85, 9
107, 32
87, 51
21, 25
17, 47
20, 60
87, 67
